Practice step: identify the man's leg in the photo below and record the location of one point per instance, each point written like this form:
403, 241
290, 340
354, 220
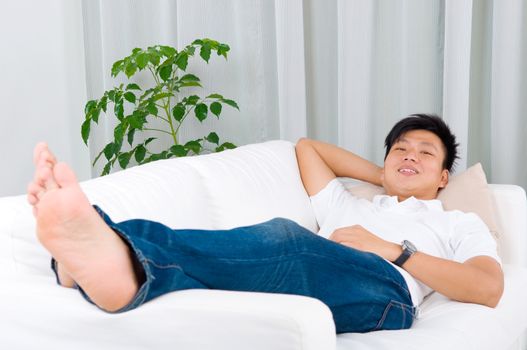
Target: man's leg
363, 291
75, 235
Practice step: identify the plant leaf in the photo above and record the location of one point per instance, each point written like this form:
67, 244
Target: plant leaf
165, 71
204, 52
152, 108
162, 95
228, 145
124, 159
130, 69
129, 96
213, 138
223, 49
194, 146
117, 67
190, 50
109, 150
90, 105
178, 112
132, 86
189, 83
106, 169
137, 120
118, 133
182, 60
140, 153
150, 139
191, 100
95, 114
189, 77
142, 60
218, 96
118, 109
230, 103
167, 51
178, 151
131, 134
158, 156
201, 111
154, 57
112, 95
103, 103
85, 130
215, 108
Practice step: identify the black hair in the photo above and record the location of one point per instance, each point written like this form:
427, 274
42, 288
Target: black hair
429, 122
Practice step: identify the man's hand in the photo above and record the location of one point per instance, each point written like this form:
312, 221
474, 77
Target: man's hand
359, 238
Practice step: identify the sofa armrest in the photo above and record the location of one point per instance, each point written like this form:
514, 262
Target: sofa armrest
192, 319
511, 215
278, 321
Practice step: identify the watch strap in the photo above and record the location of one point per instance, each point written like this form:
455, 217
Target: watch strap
408, 251
405, 255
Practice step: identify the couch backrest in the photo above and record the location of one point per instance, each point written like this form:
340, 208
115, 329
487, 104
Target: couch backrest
247, 185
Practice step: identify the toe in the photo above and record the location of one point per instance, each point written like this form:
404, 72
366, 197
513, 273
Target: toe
32, 199
34, 191
38, 150
46, 158
46, 179
64, 175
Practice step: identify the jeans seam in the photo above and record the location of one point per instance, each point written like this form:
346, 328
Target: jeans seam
159, 266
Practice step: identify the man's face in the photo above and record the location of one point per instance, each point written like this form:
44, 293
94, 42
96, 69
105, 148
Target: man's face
414, 166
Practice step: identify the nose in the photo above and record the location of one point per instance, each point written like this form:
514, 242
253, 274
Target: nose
410, 155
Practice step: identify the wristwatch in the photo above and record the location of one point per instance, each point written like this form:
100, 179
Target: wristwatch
408, 250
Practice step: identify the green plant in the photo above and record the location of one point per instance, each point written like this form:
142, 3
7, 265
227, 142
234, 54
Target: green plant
134, 106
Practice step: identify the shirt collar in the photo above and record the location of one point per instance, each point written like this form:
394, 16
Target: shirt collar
410, 204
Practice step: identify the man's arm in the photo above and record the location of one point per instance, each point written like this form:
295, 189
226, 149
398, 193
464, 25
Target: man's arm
478, 280
321, 162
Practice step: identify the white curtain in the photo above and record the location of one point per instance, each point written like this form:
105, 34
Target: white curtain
42, 87
342, 71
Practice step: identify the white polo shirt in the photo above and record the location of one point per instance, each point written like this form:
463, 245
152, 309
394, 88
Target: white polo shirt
452, 235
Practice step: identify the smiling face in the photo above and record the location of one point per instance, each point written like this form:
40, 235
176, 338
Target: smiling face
414, 166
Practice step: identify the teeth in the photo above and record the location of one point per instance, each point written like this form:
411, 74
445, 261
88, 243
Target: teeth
407, 171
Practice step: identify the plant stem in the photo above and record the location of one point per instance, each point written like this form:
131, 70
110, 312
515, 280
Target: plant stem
165, 108
160, 117
173, 132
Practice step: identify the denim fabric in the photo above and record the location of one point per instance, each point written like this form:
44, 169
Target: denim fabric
363, 291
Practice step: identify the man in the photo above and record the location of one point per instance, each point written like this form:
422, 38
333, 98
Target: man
367, 277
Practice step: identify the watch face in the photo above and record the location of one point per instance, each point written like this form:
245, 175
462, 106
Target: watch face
409, 245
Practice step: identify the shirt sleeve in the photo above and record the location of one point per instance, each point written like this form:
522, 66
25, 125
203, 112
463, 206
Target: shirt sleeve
330, 197
472, 238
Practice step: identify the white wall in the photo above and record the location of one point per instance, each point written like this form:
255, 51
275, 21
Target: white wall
42, 87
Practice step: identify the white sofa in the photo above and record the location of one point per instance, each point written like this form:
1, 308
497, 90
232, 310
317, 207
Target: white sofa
250, 184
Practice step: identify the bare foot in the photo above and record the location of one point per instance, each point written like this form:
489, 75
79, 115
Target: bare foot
85, 247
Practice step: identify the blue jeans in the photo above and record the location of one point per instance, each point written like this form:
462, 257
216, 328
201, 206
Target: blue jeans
364, 292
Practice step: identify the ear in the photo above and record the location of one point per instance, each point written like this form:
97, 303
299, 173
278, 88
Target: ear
444, 178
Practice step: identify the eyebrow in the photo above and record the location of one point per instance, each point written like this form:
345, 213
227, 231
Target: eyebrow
421, 143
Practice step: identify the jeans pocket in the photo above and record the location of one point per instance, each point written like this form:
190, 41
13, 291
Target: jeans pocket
396, 315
